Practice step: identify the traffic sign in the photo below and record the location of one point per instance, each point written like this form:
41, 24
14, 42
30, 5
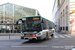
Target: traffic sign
72, 21
73, 11
58, 19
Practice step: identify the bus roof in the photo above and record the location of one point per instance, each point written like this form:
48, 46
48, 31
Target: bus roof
36, 16
30, 16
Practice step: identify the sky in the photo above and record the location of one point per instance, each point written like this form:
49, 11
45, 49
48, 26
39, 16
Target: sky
43, 6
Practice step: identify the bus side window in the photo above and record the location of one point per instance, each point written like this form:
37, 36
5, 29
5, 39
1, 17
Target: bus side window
50, 25
43, 25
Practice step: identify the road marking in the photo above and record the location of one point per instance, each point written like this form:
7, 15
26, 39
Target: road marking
67, 36
61, 36
32, 46
55, 36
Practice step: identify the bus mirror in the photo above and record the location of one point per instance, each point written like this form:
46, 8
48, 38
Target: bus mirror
19, 21
16, 22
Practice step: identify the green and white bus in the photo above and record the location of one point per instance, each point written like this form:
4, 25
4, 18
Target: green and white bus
36, 27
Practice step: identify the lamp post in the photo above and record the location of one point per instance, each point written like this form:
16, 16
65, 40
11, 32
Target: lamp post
9, 30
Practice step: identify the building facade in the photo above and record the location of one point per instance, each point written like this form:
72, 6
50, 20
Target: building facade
55, 14
9, 13
72, 15
66, 15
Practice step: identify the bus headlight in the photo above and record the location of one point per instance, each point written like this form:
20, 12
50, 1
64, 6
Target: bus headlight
39, 34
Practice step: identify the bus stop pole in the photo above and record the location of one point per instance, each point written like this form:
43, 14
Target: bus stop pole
9, 34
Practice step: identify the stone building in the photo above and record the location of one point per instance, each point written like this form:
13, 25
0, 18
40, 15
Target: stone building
65, 9
55, 14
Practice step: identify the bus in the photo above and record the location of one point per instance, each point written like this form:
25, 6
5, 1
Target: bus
36, 27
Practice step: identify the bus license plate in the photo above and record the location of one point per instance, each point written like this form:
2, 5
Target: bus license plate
27, 35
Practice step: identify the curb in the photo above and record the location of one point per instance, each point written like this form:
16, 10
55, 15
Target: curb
12, 34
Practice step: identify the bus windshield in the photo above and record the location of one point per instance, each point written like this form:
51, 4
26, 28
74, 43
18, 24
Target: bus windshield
33, 25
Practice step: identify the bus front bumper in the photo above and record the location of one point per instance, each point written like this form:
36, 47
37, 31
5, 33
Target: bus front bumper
31, 38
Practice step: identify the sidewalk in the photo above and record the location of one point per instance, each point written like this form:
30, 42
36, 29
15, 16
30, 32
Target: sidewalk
11, 37
11, 34
72, 33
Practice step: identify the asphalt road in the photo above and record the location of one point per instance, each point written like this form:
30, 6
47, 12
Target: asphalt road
58, 42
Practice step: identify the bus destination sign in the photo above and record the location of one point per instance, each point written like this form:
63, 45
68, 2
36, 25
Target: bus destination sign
35, 18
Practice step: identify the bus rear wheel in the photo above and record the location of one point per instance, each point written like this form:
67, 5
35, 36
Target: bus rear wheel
22, 37
52, 35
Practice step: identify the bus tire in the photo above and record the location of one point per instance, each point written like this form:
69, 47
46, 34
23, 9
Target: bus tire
22, 37
52, 35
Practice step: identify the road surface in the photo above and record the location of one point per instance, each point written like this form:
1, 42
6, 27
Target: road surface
58, 42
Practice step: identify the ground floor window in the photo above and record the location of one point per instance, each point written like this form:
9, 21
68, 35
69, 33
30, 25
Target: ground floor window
63, 28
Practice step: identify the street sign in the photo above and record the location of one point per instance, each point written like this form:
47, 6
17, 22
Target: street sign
58, 19
72, 21
73, 11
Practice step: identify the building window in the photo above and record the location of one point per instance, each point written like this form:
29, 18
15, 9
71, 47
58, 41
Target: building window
1, 14
61, 21
67, 18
